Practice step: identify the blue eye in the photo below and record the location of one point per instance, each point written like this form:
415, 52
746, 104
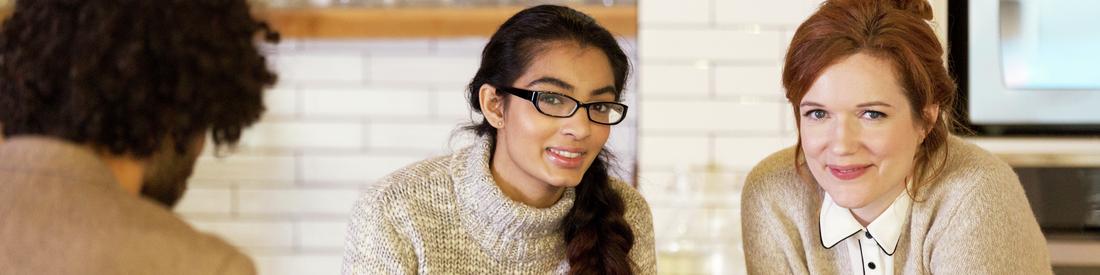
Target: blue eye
874, 115
815, 114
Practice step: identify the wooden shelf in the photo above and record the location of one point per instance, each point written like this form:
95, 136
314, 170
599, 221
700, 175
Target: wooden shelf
338, 23
354, 23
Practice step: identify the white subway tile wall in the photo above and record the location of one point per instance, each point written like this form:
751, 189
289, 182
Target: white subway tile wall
344, 114
776, 13
712, 106
708, 106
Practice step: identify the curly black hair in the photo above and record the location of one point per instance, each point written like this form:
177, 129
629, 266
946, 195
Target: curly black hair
126, 76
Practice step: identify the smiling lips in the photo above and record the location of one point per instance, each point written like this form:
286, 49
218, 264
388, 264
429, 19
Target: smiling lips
568, 158
847, 172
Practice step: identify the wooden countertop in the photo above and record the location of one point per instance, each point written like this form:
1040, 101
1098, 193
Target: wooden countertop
351, 23
1043, 151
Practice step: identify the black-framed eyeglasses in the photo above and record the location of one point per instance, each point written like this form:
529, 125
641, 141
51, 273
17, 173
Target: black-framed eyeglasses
559, 105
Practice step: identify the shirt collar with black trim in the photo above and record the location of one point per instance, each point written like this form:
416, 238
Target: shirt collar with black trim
837, 224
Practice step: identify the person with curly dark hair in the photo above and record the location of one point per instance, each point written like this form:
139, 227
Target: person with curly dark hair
105, 106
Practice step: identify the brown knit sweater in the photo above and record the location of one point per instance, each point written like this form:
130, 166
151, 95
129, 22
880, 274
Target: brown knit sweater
974, 220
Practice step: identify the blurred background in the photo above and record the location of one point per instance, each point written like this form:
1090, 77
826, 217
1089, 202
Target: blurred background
369, 86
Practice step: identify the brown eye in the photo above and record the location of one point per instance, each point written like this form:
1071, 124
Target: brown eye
601, 108
551, 99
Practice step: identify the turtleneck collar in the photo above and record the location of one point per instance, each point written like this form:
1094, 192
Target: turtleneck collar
506, 229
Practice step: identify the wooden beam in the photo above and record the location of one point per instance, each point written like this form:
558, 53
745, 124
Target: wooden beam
341, 23
442, 22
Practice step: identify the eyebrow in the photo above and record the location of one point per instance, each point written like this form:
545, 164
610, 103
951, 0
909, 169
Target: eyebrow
810, 104
861, 105
605, 90
551, 81
874, 103
610, 89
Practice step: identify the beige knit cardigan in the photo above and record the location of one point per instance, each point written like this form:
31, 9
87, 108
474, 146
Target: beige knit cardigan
975, 220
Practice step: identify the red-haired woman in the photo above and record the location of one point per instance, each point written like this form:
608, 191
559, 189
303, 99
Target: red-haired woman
877, 183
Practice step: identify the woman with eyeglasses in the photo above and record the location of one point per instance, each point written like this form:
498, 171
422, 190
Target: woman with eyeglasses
877, 183
533, 195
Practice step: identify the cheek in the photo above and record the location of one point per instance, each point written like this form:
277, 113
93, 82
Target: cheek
895, 149
813, 140
600, 134
528, 127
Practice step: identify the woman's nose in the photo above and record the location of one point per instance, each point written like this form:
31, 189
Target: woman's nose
577, 125
845, 137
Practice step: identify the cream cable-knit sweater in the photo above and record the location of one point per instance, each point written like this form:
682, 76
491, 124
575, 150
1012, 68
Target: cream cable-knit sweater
975, 220
447, 216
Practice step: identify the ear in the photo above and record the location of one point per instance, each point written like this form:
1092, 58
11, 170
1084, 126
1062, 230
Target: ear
931, 116
198, 142
492, 105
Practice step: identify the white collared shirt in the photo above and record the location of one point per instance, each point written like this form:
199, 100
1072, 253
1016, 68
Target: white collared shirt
871, 249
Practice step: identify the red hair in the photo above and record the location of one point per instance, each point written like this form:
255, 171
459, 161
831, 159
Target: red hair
896, 31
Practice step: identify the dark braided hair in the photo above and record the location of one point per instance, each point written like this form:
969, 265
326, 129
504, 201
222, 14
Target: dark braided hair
597, 237
126, 76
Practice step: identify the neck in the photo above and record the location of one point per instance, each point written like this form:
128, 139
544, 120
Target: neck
522, 187
867, 214
127, 170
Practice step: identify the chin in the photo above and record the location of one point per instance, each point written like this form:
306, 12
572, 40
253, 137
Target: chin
563, 178
851, 204
847, 194
564, 181
849, 199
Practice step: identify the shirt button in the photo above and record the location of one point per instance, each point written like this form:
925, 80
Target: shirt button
871, 265
868, 234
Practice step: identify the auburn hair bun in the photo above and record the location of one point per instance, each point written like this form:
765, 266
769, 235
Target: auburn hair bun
919, 8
